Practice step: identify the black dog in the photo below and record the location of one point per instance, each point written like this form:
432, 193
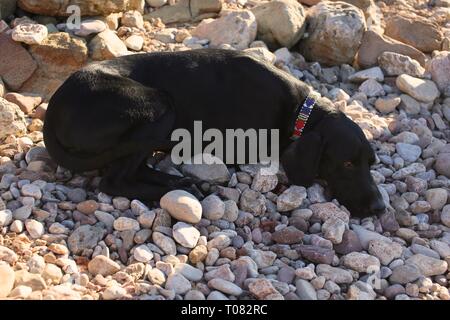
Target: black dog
114, 114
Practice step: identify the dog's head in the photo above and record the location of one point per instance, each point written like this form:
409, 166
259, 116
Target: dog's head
338, 152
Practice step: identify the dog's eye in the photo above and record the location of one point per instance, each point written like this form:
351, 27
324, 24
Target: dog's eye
348, 164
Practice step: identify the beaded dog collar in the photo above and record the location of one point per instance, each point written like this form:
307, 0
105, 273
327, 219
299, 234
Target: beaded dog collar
302, 117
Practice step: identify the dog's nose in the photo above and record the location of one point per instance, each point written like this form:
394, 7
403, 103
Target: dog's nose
377, 207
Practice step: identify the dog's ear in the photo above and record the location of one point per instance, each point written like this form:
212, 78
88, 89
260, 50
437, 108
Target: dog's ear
301, 159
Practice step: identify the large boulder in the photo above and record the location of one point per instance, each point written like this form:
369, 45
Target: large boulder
16, 64
280, 23
87, 7
417, 32
374, 44
187, 10
237, 29
58, 56
335, 32
439, 67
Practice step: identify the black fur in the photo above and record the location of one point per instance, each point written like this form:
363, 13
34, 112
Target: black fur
114, 114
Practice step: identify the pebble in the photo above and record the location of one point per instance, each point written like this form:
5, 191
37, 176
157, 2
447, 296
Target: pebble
361, 262
182, 206
288, 235
213, 208
126, 224
333, 229
165, 243
34, 228
31, 190
7, 284
404, 274
178, 283
385, 251
437, 198
420, 89
224, 286
103, 265
185, 234
305, 290
142, 253
408, 152
428, 266
291, 198
114, 292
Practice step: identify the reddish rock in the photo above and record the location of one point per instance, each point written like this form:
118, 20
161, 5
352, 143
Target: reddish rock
350, 243
26, 102
87, 207
288, 235
16, 64
316, 254
389, 222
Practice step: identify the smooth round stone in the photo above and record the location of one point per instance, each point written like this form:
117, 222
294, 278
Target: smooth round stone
143, 253
34, 228
185, 234
6, 217
31, 190
182, 206
217, 295
194, 295
103, 265
213, 208
125, 224
134, 42
224, 286
408, 152
437, 198
156, 3
178, 283
189, 272
90, 26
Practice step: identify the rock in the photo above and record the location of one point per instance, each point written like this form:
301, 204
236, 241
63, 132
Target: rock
12, 119
422, 90
189, 272
411, 105
374, 73
182, 206
428, 266
219, 242
395, 64
280, 23
32, 280
439, 67
445, 215
103, 265
386, 105
385, 251
374, 44
426, 36
225, 286
263, 289
26, 102
291, 198
325, 211
7, 284
16, 64
114, 292
22, 213
178, 283
264, 55
350, 243
436, 197
361, 262
8, 255
34, 228
165, 243
361, 291
132, 19
58, 56
142, 253
213, 208
52, 274
107, 45
231, 211
442, 164
335, 31
264, 182
185, 10
365, 236
240, 25
410, 170
157, 4
87, 207
84, 237
337, 275
121, 203
87, 7
198, 254
263, 259
223, 272
288, 235
134, 42
305, 290
253, 202
372, 88
333, 229
409, 152
90, 26
77, 195
29, 33
156, 276
22, 292
215, 173
126, 224
185, 234
440, 247
405, 274
316, 254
